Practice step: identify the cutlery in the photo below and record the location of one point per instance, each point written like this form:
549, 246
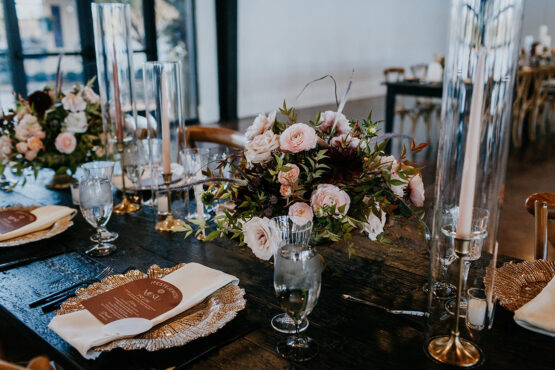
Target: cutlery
25, 261
61, 293
51, 306
394, 312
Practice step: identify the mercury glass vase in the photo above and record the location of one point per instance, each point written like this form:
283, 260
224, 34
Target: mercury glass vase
490, 28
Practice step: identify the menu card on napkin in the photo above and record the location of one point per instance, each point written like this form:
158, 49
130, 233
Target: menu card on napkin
44, 217
84, 330
540, 311
144, 298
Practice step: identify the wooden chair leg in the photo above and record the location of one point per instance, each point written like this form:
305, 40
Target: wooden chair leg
540, 231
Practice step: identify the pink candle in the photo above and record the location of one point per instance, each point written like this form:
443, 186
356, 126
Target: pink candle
117, 102
166, 156
472, 149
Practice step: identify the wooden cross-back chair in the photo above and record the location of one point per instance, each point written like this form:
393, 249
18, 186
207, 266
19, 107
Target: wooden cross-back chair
541, 80
521, 105
542, 206
218, 135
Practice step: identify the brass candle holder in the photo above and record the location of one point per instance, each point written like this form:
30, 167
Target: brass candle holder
126, 206
169, 222
452, 349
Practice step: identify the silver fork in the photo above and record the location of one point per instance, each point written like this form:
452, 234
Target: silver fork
394, 312
51, 297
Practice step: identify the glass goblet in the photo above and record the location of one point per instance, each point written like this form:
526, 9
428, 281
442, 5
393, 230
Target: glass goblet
95, 202
291, 233
297, 283
135, 160
102, 170
194, 161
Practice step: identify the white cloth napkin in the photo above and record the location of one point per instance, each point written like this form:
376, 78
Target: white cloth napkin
540, 311
196, 282
46, 217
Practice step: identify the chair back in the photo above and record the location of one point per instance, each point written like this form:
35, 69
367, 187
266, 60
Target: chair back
521, 105
394, 74
542, 206
218, 135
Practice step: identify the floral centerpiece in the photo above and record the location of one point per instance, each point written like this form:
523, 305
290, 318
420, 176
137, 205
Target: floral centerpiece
331, 171
52, 130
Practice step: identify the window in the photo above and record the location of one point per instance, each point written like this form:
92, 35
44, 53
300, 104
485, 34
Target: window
42, 30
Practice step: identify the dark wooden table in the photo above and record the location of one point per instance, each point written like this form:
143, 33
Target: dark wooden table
424, 89
349, 335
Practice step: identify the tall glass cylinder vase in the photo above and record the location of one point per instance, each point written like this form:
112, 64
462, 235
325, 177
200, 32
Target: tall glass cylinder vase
166, 135
472, 158
114, 64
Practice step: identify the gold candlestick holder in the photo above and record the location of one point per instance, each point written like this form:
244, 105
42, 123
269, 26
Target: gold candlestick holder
169, 222
126, 206
452, 349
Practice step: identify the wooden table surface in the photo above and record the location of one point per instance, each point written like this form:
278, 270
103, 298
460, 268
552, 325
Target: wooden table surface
349, 335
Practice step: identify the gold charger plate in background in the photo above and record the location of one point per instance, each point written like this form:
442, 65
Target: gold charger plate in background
58, 227
518, 283
199, 321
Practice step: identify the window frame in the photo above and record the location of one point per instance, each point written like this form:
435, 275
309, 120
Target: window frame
17, 57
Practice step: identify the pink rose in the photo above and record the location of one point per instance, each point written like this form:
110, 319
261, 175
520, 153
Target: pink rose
262, 237
34, 143
289, 177
30, 155
65, 143
5, 147
285, 191
326, 123
348, 141
74, 102
327, 195
23, 128
90, 96
259, 150
300, 213
36, 131
385, 163
21, 147
416, 187
297, 138
260, 125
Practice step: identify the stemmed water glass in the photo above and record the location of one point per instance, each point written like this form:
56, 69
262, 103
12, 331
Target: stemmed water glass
291, 233
297, 282
215, 156
135, 160
194, 161
95, 201
102, 170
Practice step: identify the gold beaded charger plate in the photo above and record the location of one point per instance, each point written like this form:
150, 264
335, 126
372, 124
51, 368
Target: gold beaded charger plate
204, 319
58, 227
518, 283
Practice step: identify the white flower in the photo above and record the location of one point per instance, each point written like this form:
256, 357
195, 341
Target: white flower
90, 96
262, 236
5, 147
76, 123
300, 213
374, 225
260, 125
74, 102
259, 150
23, 128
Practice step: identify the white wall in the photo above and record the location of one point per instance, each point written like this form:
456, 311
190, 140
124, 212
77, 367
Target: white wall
282, 45
536, 13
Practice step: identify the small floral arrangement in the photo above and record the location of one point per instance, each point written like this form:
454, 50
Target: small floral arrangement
49, 130
331, 171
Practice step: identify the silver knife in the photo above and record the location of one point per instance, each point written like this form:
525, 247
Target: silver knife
394, 312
